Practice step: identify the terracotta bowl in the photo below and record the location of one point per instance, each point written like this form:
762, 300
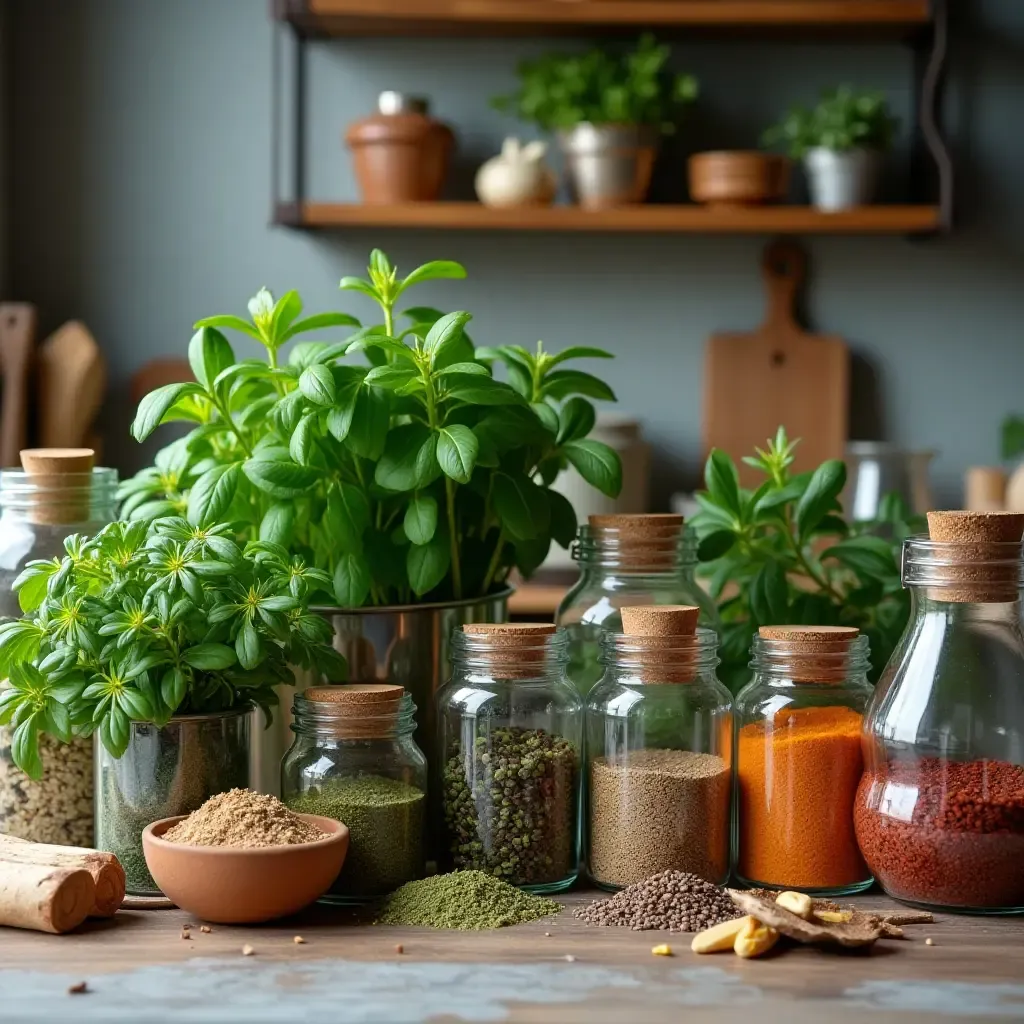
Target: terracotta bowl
228, 885
738, 178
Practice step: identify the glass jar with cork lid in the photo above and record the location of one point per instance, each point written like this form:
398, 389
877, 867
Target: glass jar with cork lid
797, 760
56, 493
510, 740
354, 759
626, 560
659, 736
940, 811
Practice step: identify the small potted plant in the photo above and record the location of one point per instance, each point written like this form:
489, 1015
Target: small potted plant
160, 638
841, 142
609, 110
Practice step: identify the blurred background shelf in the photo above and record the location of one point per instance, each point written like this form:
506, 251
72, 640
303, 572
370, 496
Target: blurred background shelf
654, 218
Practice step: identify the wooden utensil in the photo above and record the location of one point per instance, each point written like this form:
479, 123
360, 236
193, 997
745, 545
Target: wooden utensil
17, 336
777, 375
72, 381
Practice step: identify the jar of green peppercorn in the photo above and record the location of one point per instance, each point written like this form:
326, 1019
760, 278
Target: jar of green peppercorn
354, 759
511, 732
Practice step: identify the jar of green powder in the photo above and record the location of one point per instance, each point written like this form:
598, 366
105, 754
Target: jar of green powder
511, 732
354, 759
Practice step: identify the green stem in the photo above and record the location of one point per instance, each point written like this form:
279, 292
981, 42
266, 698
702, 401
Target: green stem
223, 410
806, 566
492, 568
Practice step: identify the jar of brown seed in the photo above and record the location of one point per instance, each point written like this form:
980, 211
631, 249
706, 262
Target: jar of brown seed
659, 729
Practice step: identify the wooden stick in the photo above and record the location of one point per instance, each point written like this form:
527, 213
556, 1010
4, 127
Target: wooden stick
44, 898
105, 868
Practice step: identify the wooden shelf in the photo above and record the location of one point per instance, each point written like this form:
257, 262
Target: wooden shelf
653, 218
402, 17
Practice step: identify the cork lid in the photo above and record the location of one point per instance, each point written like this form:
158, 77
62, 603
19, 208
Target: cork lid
665, 642
57, 461
660, 620
648, 541
809, 654
63, 478
979, 556
359, 710
514, 650
640, 525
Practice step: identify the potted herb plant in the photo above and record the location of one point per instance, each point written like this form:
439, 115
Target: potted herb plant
782, 554
392, 460
841, 142
609, 110
160, 639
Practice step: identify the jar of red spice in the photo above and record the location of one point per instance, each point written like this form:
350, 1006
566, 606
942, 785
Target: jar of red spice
797, 758
940, 811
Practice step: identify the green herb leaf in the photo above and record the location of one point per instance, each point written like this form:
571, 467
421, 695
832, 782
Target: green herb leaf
822, 491
209, 353
420, 518
280, 479
404, 465
715, 544
319, 322
434, 271
317, 383
457, 449
598, 464
428, 564
722, 482
276, 524
576, 419
351, 580
247, 646
155, 405
368, 432
579, 352
209, 657
521, 505
212, 494
444, 334
563, 519
563, 383
391, 377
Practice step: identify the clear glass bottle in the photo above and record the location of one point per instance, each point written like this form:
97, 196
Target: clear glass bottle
626, 560
58, 493
511, 737
797, 760
659, 736
354, 759
940, 811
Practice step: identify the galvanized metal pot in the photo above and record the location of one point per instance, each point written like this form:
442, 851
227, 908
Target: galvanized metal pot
842, 180
166, 771
609, 164
402, 644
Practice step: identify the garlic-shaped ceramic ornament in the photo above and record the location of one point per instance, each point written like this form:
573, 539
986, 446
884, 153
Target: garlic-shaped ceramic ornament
517, 176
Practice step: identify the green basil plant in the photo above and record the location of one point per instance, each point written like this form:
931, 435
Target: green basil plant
783, 554
392, 459
148, 620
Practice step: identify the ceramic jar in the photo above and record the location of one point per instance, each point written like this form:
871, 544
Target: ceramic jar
517, 176
400, 153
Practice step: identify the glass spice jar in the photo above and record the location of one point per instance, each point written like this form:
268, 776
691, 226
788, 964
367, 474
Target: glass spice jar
57, 492
940, 811
626, 560
510, 739
797, 760
354, 759
659, 735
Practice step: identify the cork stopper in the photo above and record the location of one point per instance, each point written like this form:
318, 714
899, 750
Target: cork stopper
979, 557
359, 710
61, 476
666, 640
810, 654
514, 650
648, 541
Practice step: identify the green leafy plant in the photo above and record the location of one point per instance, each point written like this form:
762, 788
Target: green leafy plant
1012, 437
558, 91
413, 474
782, 554
145, 621
844, 119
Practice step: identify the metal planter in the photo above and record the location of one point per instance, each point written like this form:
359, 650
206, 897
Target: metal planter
609, 164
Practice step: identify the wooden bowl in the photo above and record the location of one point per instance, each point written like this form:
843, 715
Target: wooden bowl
738, 178
232, 885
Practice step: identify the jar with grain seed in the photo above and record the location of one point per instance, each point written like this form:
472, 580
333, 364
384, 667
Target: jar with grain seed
510, 736
797, 760
659, 730
626, 560
354, 759
940, 811
58, 492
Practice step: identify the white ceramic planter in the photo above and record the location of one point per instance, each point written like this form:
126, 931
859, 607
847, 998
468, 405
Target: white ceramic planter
841, 180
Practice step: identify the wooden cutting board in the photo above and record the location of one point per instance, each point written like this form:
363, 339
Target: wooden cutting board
72, 380
777, 375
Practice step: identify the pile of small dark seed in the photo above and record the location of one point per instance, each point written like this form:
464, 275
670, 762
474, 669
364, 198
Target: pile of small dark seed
671, 900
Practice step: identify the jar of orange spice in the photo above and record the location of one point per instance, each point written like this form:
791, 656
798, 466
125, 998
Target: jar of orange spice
798, 760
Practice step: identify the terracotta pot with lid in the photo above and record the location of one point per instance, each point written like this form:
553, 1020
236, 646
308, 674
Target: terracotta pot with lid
401, 153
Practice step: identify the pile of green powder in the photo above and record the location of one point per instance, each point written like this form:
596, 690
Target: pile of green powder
466, 900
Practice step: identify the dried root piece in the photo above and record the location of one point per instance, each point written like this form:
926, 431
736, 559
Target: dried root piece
915, 917
860, 930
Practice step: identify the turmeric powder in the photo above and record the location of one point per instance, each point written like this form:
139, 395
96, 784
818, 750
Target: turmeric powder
797, 775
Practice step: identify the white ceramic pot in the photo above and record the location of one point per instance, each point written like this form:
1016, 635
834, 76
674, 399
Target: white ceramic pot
842, 180
517, 176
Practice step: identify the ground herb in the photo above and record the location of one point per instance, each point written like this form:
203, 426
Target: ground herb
242, 818
385, 819
510, 806
464, 900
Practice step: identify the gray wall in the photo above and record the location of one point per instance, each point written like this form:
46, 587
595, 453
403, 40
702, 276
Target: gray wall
140, 183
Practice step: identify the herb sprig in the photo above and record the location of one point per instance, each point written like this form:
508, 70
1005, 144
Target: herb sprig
783, 554
142, 622
418, 476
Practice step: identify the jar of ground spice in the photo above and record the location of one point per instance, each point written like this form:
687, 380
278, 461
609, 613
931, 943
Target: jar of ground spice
940, 811
659, 730
798, 762
511, 733
354, 759
626, 560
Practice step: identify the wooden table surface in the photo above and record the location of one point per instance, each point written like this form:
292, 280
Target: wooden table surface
138, 968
